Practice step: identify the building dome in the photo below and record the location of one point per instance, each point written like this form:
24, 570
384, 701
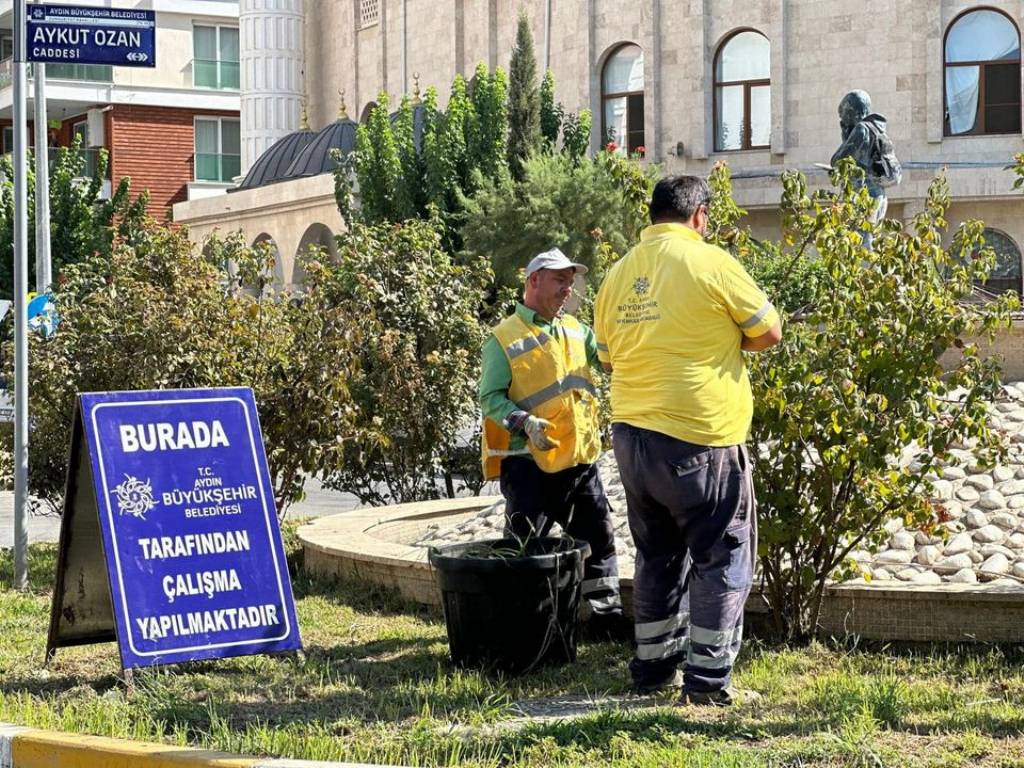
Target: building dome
273, 164
315, 158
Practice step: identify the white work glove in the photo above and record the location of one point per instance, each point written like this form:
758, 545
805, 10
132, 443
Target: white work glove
534, 428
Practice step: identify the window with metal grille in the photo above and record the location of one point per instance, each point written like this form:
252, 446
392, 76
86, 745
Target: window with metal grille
369, 13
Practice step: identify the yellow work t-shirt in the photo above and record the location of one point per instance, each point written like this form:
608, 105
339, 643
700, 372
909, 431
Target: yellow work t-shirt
669, 318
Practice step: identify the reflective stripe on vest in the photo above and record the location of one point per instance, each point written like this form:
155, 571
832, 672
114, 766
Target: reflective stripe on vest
550, 379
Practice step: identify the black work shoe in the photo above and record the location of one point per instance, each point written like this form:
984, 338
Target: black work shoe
724, 697
671, 683
613, 627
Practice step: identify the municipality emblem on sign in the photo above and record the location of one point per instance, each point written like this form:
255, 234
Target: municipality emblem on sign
641, 286
134, 497
38, 13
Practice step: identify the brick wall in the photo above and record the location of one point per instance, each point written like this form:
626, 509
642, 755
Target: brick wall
154, 146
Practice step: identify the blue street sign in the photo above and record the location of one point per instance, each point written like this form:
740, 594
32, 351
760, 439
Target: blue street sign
190, 535
70, 34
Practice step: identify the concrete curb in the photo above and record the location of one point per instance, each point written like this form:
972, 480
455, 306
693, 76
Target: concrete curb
30, 748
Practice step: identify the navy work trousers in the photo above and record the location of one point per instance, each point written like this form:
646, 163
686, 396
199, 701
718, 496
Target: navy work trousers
574, 498
691, 512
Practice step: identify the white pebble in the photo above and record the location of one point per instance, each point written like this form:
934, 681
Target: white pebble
928, 554
953, 473
990, 534
965, 576
976, 519
962, 542
905, 540
954, 563
894, 556
1005, 520
1003, 474
968, 494
981, 482
927, 578
992, 500
995, 566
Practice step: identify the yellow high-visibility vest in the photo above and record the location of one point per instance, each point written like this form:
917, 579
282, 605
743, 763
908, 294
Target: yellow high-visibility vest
551, 380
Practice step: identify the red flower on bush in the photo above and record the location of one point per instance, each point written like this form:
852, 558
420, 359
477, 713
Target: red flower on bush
641, 151
611, 146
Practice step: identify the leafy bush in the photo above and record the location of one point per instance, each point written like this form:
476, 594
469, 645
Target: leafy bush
153, 315
81, 224
413, 381
852, 410
561, 202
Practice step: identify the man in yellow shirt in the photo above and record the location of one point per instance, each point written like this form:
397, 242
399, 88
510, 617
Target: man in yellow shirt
673, 318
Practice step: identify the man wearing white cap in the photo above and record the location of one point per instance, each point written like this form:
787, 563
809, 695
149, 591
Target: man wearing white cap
540, 429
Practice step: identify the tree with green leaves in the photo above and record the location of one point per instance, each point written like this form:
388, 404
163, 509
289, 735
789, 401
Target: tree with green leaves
489, 153
379, 169
523, 100
551, 113
413, 385
154, 314
576, 134
413, 169
576, 206
81, 222
853, 414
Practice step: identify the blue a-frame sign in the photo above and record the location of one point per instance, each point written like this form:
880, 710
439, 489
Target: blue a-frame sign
170, 540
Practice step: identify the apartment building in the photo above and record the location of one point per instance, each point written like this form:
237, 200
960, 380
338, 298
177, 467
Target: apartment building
173, 129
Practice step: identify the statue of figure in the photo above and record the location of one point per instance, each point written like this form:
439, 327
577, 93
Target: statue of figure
865, 140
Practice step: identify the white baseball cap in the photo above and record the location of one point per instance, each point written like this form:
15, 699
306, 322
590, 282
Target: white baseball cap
553, 259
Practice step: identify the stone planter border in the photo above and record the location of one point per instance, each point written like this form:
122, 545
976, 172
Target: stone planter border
365, 544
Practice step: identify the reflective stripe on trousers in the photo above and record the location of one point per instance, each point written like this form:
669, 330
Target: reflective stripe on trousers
691, 513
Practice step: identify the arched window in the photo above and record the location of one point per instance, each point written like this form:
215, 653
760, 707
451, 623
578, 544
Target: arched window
982, 63
367, 111
743, 101
622, 99
1006, 274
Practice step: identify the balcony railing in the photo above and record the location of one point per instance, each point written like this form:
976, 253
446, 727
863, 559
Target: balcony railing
89, 154
99, 73
91, 157
95, 73
214, 73
217, 167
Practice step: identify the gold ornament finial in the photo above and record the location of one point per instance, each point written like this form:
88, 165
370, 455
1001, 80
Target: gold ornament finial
304, 116
342, 111
415, 87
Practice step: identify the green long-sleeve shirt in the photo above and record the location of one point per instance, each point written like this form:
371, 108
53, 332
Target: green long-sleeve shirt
496, 373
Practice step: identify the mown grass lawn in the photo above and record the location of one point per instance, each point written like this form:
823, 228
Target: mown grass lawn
375, 685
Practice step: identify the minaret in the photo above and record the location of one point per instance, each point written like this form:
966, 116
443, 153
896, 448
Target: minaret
272, 64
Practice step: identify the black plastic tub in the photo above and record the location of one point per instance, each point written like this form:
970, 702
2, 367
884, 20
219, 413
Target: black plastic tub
511, 612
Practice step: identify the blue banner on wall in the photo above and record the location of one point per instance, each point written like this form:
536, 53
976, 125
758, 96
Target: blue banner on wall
193, 550
69, 34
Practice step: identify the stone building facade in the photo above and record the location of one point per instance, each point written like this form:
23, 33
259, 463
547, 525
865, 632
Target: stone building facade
755, 83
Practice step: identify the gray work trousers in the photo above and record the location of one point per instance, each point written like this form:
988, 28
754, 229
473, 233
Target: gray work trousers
691, 513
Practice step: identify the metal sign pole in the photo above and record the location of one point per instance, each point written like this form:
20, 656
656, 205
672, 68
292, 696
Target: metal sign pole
43, 276
20, 305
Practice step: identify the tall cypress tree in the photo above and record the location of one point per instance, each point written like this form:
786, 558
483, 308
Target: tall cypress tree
523, 100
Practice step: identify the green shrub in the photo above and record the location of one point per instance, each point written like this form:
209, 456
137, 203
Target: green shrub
856, 382
576, 206
153, 315
413, 383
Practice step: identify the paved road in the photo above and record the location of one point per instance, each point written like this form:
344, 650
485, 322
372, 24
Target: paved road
45, 527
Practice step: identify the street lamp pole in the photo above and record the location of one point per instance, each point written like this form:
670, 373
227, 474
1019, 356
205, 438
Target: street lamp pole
20, 304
